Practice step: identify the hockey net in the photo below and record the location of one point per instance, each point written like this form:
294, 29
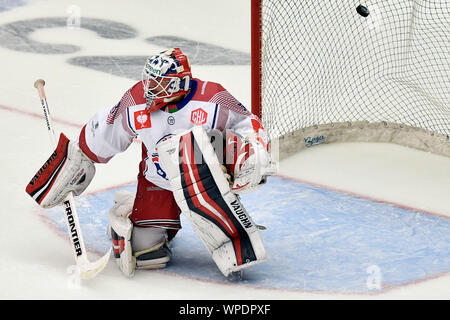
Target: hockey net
325, 71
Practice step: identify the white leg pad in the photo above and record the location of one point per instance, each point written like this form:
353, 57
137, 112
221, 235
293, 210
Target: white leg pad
204, 196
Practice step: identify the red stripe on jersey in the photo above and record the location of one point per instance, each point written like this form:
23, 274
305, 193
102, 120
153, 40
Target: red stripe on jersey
133, 96
137, 93
206, 90
226, 100
214, 93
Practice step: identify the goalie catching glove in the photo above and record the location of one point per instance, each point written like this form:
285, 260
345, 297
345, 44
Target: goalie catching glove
66, 170
248, 161
204, 195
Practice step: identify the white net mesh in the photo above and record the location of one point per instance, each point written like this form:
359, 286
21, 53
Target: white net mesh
323, 62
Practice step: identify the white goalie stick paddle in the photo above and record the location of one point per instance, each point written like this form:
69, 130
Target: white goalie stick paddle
87, 269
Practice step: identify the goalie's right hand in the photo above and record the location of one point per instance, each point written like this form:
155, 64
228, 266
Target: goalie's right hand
66, 170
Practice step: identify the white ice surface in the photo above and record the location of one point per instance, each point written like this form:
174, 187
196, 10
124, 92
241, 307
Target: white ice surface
35, 259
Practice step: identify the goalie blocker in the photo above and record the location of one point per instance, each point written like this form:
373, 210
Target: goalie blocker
204, 195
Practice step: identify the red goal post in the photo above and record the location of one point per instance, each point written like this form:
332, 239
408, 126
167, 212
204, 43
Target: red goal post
332, 71
256, 53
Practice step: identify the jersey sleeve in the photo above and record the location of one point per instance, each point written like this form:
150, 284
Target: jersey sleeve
107, 132
236, 116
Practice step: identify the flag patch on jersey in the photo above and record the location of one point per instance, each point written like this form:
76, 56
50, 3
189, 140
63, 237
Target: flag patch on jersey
142, 119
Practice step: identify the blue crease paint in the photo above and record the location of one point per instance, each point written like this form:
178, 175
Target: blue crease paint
317, 240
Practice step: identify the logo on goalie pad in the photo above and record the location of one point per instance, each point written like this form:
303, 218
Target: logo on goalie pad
42, 169
237, 208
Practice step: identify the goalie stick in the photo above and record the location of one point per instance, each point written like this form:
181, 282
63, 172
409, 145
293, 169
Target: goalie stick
87, 269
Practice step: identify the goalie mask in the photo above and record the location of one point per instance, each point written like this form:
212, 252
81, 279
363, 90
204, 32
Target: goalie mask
166, 76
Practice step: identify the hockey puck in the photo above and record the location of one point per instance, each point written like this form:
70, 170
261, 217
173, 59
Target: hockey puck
362, 10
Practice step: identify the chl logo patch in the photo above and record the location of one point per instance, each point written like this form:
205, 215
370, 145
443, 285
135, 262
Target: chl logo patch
142, 119
199, 116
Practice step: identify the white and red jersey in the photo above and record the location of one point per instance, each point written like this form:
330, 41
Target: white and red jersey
208, 104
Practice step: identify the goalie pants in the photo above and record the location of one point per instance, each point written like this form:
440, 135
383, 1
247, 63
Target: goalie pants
155, 207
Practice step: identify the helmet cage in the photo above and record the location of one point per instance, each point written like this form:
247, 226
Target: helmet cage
166, 75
